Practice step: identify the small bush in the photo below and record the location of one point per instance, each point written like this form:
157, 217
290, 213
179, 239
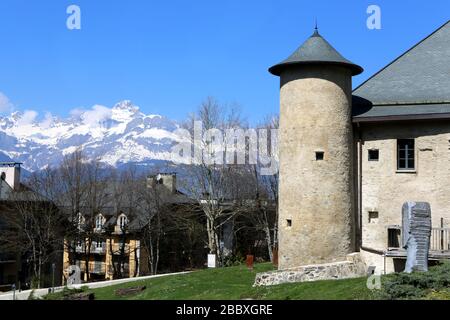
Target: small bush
417, 285
65, 293
32, 296
438, 295
233, 260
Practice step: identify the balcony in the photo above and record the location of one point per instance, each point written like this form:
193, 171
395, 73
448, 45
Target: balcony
439, 245
95, 249
118, 248
125, 272
440, 240
95, 267
98, 248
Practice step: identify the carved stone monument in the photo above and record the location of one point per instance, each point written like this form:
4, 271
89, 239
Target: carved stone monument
416, 235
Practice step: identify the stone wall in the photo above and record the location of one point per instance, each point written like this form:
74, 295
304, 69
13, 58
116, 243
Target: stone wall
352, 268
384, 189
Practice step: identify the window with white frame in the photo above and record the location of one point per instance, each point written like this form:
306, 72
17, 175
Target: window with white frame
99, 244
99, 222
123, 221
80, 221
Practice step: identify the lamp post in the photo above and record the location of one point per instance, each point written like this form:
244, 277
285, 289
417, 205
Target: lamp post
53, 277
13, 287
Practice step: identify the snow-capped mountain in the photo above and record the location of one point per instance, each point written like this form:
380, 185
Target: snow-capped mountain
117, 135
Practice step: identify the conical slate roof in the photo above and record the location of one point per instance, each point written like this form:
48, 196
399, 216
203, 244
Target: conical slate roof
315, 50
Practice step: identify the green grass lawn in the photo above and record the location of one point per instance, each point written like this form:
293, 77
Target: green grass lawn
236, 283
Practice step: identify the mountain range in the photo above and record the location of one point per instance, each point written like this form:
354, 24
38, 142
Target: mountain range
116, 136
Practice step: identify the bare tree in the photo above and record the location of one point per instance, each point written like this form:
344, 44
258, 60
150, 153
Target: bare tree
96, 199
265, 217
124, 197
71, 197
83, 187
210, 178
34, 225
152, 205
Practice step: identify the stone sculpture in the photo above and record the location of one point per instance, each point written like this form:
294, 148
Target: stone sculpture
416, 235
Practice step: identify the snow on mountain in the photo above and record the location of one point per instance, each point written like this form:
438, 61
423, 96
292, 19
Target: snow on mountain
116, 136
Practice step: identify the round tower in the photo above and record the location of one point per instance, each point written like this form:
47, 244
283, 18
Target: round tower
316, 197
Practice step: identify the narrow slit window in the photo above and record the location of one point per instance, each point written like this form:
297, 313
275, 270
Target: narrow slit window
374, 155
319, 155
406, 154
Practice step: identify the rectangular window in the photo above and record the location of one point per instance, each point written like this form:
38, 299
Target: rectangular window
394, 237
373, 217
289, 222
319, 155
374, 155
405, 154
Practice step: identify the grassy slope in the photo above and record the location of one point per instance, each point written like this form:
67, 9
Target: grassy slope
236, 283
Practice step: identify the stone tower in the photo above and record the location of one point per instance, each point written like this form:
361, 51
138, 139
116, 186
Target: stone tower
316, 155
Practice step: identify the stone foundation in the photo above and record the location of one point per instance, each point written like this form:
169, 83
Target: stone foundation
352, 268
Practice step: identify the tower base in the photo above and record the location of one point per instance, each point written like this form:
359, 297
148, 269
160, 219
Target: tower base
353, 267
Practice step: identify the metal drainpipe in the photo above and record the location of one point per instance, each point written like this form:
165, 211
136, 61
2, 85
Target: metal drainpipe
359, 185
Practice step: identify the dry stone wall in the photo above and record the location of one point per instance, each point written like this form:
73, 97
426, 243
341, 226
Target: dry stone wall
352, 268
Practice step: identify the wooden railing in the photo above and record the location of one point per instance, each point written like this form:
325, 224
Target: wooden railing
440, 239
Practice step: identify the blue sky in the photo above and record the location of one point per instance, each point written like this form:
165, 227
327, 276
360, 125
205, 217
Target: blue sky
167, 56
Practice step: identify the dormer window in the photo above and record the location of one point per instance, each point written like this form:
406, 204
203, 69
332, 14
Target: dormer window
80, 221
99, 222
123, 221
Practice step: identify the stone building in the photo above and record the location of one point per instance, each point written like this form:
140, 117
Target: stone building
350, 159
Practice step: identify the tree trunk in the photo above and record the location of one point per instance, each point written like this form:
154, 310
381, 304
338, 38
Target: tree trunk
269, 242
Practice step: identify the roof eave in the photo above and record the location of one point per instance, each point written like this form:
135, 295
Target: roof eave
404, 117
279, 68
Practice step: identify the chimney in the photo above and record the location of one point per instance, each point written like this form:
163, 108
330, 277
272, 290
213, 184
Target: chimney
10, 172
168, 181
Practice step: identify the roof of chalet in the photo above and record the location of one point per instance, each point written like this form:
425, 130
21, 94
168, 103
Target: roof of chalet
111, 209
315, 50
416, 85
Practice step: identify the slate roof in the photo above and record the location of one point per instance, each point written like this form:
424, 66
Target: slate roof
136, 217
315, 50
415, 85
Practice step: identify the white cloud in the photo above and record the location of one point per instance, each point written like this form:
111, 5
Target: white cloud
96, 116
5, 104
28, 117
77, 112
48, 120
